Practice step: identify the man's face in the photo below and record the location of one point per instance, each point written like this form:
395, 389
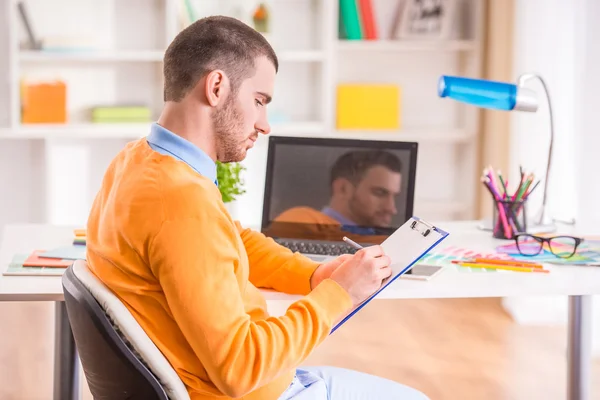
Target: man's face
373, 200
239, 120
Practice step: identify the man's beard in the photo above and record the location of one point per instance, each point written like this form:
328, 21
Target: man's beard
228, 123
357, 209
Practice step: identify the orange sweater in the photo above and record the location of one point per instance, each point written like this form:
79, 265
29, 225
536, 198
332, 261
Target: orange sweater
160, 237
301, 222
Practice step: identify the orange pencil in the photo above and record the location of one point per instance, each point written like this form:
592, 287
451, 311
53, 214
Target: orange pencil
509, 262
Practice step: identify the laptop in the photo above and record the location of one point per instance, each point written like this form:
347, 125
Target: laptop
318, 190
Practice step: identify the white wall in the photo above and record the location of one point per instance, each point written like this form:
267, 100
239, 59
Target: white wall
544, 43
558, 39
587, 118
587, 142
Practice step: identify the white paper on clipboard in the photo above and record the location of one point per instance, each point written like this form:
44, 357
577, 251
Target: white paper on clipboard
405, 247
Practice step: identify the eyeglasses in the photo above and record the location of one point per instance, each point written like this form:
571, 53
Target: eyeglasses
560, 246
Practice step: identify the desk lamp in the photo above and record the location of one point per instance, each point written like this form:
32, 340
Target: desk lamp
507, 97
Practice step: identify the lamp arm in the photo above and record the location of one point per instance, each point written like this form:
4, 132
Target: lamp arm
521, 83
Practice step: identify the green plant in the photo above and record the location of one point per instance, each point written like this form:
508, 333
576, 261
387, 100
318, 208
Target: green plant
230, 181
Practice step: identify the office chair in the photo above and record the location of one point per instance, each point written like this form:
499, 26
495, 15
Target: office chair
119, 359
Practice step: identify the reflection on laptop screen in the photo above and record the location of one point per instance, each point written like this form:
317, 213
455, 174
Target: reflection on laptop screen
324, 189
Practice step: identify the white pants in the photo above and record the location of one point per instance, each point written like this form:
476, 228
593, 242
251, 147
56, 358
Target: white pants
329, 383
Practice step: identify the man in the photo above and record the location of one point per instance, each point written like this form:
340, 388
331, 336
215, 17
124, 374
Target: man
160, 237
364, 187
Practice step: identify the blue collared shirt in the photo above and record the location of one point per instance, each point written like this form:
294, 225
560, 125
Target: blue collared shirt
166, 142
347, 224
337, 216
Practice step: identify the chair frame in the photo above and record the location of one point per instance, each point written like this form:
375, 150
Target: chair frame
76, 292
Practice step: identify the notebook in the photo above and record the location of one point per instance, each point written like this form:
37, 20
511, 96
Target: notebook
69, 252
16, 268
36, 259
405, 247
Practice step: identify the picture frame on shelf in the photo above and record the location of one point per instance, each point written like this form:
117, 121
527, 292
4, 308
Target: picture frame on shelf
426, 19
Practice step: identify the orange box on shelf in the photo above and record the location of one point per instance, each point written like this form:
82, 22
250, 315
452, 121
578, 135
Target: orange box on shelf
44, 102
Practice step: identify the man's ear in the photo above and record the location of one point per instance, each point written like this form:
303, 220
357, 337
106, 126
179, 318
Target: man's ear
342, 187
216, 87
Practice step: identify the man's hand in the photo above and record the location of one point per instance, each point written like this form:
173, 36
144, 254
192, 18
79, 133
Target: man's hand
325, 270
361, 275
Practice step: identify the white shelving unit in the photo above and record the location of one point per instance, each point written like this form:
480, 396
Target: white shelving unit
126, 67
92, 56
407, 46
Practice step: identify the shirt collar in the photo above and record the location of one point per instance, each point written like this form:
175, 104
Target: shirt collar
166, 142
337, 216
347, 224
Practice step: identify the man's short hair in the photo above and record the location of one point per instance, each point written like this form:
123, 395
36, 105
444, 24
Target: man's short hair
211, 43
354, 164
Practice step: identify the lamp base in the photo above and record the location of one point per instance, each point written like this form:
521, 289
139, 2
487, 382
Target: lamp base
532, 226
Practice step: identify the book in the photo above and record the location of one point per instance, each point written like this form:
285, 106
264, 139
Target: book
70, 252
35, 260
350, 17
106, 114
368, 19
16, 268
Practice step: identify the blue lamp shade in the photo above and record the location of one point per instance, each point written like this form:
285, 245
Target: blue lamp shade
487, 94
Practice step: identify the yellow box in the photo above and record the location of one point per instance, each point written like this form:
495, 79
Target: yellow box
368, 106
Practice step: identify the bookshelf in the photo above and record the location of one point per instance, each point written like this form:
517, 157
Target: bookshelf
407, 46
124, 65
29, 56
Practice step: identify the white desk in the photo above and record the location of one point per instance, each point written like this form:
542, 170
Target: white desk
579, 283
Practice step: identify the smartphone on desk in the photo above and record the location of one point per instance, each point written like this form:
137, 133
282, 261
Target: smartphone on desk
423, 272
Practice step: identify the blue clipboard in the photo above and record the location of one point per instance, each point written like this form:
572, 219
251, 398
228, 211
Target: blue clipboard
405, 247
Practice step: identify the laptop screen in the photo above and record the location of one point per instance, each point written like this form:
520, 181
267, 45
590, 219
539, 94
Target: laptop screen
324, 189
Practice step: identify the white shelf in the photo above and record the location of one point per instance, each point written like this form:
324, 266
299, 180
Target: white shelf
127, 131
439, 135
300, 55
436, 135
144, 56
298, 129
406, 45
92, 56
106, 131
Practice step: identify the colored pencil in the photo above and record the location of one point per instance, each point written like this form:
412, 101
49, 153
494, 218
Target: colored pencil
503, 267
508, 214
501, 213
514, 263
532, 189
503, 185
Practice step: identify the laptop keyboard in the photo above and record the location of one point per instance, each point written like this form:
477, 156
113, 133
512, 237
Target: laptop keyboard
316, 247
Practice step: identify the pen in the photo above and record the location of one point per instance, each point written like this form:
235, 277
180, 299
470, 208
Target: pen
590, 264
352, 243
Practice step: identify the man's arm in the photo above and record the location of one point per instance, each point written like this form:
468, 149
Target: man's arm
273, 266
195, 260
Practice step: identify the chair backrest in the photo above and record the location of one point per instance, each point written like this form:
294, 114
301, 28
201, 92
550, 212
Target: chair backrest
119, 359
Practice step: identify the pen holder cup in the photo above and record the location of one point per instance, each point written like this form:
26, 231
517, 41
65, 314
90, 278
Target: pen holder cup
509, 218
